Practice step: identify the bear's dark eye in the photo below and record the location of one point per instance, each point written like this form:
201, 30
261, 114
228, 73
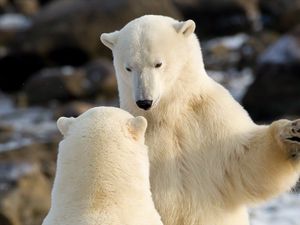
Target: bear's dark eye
157, 65
128, 69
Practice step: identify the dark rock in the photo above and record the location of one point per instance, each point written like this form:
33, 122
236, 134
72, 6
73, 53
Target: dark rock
55, 83
18, 67
77, 24
5, 37
68, 83
229, 16
275, 91
101, 75
297, 187
27, 7
44, 2
253, 13
255, 46
72, 109
223, 17
67, 55
284, 14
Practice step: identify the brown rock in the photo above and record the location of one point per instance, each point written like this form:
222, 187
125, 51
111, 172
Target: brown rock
26, 175
25, 194
41, 155
6, 132
3, 3
27, 7
73, 109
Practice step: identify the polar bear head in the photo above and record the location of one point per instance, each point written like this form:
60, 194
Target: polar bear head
103, 123
150, 53
102, 141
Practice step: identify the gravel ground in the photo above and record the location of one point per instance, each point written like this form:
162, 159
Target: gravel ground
284, 210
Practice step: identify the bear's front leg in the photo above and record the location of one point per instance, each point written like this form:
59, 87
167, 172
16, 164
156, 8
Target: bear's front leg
289, 137
267, 163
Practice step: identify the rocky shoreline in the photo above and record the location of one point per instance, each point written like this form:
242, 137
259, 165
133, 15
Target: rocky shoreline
52, 64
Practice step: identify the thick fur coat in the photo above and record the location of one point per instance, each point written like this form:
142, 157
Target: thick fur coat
102, 172
208, 159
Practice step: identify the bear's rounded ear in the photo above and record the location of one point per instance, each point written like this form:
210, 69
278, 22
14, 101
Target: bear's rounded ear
186, 27
137, 127
63, 124
109, 39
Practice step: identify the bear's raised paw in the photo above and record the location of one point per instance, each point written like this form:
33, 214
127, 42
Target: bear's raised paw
290, 135
295, 130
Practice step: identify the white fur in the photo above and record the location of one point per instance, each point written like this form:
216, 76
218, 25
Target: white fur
208, 159
102, 172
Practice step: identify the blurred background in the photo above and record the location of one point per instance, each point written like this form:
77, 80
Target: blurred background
52, 64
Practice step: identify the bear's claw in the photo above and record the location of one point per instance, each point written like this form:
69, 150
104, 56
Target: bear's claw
293, 131
297, 139
291, 136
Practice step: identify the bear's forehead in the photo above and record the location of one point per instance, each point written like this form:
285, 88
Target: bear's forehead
146, 41
147, 32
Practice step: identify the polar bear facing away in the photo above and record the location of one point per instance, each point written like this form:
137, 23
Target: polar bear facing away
102, 172
208, 159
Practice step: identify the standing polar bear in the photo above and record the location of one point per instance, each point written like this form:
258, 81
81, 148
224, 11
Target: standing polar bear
208, 159
102, 175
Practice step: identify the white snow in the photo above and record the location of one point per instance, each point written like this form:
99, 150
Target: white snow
67, 70
30, 125
14, 21
285, 50
231, 42
6, 105
284, 210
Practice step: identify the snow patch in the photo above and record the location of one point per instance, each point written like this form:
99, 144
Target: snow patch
14, 22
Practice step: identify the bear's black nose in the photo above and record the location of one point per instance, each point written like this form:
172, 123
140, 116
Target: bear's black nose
144, 104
